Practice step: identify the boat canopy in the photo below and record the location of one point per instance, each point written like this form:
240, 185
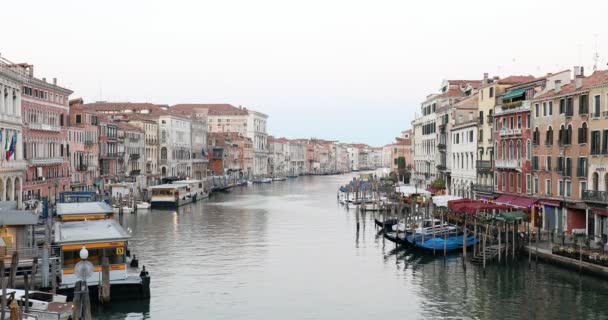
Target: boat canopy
89, 231
83, 208
442, 201
512, 216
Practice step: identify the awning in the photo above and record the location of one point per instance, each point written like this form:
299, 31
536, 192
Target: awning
505, 199
523, 202
512, 216
514, 94
600, 212
547, 202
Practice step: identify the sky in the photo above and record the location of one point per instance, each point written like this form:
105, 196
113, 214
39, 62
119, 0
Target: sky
354, 71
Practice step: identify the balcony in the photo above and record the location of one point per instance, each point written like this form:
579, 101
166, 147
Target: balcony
82, 167
441, 167
163, 161
148, 170
88, 143
510, 132
484, 166
134, 156
109, 156
12, 165
483, 188
135, 172
512, 107
441, 146
47, 161
44, 127
596, 196
508, 164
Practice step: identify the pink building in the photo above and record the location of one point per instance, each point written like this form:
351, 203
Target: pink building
83, 149
45, 111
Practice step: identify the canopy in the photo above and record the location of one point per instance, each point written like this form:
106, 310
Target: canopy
505, 199
469, 206
523, 202
442, 201
512, 216
514, 94
408, 190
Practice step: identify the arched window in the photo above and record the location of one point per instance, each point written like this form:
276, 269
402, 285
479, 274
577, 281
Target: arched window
582, 133
594, 181
511, 150
518, 149
528, 149
569, 135
503, 154
549, 136
536, 136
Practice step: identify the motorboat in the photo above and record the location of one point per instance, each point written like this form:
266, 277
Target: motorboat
42, 305
279, 179
142, 205
450, 241
263, 180
125, 209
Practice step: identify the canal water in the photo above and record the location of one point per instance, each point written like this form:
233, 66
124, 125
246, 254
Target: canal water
288, 250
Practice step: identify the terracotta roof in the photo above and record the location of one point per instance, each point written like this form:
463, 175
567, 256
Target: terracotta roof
154, 109
597, 78
213, 109
451, 93
126, 126
468, 102
473, 83
513, 80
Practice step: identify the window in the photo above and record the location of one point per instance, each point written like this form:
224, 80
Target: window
535, 185
548, 187
504, 181
550, 108
544, 109
528, 121
518, 149
596, 106
536, 136
562, 106
511, 182
549, 136
560, 188
548, 165
519, 182
512, 127
581, 167
495, 180
595, 142
491, 92
511, 155
528, 150
568, 188
528, 180
582, 189
78, 118
535, 163
568, 168
536, 107
518, 122
605, 142
582, 133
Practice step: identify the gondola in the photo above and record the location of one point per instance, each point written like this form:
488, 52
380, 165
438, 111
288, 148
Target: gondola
387, 224
398, 238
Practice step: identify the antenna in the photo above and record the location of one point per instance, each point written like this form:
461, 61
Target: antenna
596, 55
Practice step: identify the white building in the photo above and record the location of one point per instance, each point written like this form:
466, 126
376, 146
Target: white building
297, 158
353, 158
463, 157
175, 146
11, 171
278, 157
256, 131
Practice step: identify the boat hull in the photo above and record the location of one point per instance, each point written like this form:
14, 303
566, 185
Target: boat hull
454, 242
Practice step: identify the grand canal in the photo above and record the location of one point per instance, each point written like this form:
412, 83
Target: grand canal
288, 250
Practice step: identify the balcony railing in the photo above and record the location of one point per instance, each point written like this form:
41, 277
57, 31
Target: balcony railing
134, 156
510, 132
109, 156
135, 172
12, 165
508, 164
512, 107
441, 146
483, 188
45, 127
82, 167
163, 161
596, 196
441, 167
605, 114
484, 165
47, 161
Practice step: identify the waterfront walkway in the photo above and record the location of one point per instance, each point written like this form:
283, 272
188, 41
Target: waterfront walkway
543, 250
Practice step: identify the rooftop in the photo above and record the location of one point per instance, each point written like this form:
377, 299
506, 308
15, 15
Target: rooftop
83, 208
89, 231
596, 78
220, 109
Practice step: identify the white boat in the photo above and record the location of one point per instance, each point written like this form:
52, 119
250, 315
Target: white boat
42, 305
125, 209
195, 188
142, 205
279, 179
370, 206
429, 226
263, 180
170, 195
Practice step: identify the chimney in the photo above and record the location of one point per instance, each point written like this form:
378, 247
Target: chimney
578, 81
31, 69
54, 81
496, 78
558, 86
44, 79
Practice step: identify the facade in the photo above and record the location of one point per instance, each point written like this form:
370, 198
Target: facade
108, 152
341, 158
463, 156
200, 160
278, 156
11, 170
596, 195
231, 154
297, 158
256, 131
175, 146
151, 152
353, 158
45, 109
83, 150
132, 159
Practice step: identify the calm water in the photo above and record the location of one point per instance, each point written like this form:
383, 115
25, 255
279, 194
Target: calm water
287, 250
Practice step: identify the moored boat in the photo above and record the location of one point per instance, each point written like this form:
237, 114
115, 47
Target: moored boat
279, 179
170, 195
386, 224
42, 305
263, 180
142, 205
451, 241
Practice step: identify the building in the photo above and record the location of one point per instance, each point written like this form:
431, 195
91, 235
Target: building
231, 154
256, 131
297, 158
83, 148
175, 146
463, 153
353, 158
11, 169
132, 161
278, 156
108, 152
596, 195
45, 110
342, 164
425, 129
488, 99
151, 153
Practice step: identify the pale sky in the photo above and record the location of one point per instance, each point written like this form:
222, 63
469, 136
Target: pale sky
353, 71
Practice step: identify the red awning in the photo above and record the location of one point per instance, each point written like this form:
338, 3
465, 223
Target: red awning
505, 199
547, 202
473, 206
522, 202
599, 211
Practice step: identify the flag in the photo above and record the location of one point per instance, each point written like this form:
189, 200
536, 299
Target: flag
11, 149
6, 142
205, 154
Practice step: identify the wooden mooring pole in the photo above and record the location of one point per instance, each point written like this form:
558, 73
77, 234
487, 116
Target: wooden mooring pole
13, 272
